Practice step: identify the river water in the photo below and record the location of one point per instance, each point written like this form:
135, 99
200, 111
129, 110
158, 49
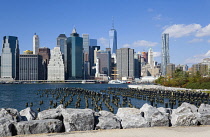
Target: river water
18, 95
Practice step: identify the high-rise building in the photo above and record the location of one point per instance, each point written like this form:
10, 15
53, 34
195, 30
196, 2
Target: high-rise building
35, 44
10, 58
61, 42
0, 66
92, 58
56, 66
125, 63
104, 58
30, 67
144, 56
45, 54
165, 53
150, 57
113, 39
170, 69
75, 56
86, 43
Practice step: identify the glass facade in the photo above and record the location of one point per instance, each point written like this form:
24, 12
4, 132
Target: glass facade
75, 56
165, 53
113, 40
30, 67
61, 42
10, 58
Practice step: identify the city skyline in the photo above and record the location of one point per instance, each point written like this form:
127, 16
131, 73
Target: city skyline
139, 24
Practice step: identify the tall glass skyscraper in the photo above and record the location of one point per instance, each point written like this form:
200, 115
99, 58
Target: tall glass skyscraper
165, 53
61, 42
35, 44
75, 56
113, 40
10, 58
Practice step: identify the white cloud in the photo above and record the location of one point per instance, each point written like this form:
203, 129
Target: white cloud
197, 58
103, 42
203, 32
195, 40
180, 30
158, 17
156, 54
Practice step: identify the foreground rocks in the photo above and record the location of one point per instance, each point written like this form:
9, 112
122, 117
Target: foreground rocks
60, 119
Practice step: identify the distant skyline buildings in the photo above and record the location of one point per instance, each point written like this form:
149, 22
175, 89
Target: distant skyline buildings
10, 58
35, 44
165, 58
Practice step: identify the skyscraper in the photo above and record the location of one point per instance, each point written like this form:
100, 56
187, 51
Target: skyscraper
113, 39
150, 57
165, 53
75, 56
35, 44
56, 66
104, 58
125, 63
30, 67
61, 42
45, 54
10, 58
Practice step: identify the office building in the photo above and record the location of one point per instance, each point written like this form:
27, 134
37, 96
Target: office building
61, 42
35, 44
30, 67
104, 59
150, 57
170, 69
144, 56
75, 56
45, 54
92, 58
165, 53
56, 66
113, 39
200, 68
10, 58
125, 63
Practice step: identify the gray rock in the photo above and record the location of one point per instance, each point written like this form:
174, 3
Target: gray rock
131, 118
11, 114
165, 110
185, 115
7, 127
50, 114
78, 119
28, 114
39, 126
108, 120
154, 116
204, 111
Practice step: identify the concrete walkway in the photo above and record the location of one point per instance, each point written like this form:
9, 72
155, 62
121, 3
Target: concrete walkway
201, 131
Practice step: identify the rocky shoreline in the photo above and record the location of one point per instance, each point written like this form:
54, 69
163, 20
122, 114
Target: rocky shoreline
63, 119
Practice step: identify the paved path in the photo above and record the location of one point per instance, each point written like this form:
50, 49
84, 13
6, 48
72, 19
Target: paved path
202, 131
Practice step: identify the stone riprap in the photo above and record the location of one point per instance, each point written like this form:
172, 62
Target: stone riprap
63, 119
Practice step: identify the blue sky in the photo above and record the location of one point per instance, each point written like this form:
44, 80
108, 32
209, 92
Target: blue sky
139, 24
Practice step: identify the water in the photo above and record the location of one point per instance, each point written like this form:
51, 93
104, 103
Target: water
17, 95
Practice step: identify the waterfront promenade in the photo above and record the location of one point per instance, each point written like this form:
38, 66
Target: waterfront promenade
201, 131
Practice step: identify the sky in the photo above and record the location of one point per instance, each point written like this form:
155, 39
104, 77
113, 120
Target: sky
139, 24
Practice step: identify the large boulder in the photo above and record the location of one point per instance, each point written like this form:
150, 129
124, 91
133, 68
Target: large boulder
154, 116
131, 118
11, 114
28, 114
107, 120
7, 127
185, 115
39, 126
78, 119
50, 114
204, 111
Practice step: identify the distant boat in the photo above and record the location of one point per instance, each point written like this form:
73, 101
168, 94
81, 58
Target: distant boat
115, 82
